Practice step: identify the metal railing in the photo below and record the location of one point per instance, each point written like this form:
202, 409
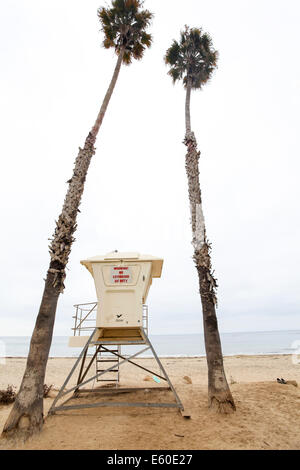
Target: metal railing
85, 318
145, 318
83, 311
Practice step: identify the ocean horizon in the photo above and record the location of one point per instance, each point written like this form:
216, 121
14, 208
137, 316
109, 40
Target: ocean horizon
174, 345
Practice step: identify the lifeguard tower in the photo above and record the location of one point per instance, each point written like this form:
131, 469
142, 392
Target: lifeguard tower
119, 317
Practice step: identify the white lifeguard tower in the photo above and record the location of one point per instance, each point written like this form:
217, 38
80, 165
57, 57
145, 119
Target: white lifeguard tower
119, 317
122, 282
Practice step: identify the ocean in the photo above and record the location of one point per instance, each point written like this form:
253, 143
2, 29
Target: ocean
188, 345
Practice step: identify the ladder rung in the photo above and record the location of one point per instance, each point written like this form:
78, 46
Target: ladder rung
107, 380
106, 353
104, 350
107, 360
105, 357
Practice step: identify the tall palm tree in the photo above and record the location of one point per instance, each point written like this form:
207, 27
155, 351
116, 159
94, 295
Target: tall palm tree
193, 60
124, 25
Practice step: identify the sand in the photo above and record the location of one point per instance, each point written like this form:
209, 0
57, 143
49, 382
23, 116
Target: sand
267, 415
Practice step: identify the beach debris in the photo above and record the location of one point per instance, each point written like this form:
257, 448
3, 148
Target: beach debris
7, 396
232, 381
51, 391
287, 382
281, 381
47, 390
187, 379
179, 435
147, 378
156, 379
185, 413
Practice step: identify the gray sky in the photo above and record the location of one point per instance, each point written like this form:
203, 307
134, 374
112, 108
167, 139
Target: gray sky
54, 74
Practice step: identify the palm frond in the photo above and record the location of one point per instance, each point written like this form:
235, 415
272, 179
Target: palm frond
108, 42
172, 54
175, 74
146, 39
193, 58
127, 58
124, 26
138, 50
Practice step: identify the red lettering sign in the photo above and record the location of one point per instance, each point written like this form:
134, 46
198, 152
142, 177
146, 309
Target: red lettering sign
120, 274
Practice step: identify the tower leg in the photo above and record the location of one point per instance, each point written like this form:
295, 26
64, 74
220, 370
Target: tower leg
82, 376
83, 353
81, 382
180, 405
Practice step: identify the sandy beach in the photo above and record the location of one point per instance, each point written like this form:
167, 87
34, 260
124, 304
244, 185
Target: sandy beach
267, 416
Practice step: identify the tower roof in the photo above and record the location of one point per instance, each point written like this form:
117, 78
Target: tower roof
125, 256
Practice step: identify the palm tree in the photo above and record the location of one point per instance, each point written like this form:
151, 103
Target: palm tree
124, 26
193, 60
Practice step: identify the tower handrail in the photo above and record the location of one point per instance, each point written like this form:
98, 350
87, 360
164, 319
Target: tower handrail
81, 317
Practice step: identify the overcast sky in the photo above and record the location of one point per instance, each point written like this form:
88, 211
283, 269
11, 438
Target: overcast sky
54, 74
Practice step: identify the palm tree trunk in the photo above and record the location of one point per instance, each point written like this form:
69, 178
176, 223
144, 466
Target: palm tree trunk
187, 107
108, 93
219, 395
26, 416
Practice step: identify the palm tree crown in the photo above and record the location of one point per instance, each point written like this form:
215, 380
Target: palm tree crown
124, 26
193, 58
